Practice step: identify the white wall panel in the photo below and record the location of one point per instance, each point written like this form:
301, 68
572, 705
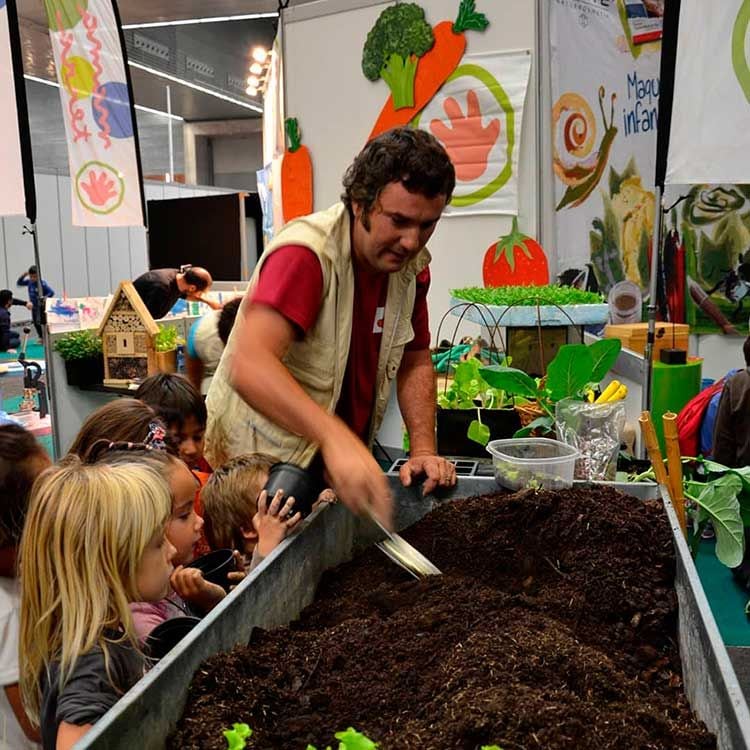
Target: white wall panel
97, 258
119, 255
76, 282
48, 231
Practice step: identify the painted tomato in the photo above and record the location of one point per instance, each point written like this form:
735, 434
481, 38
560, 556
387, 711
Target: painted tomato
515, 260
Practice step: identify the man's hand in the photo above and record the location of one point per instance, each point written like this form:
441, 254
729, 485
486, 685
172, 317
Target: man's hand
439, 472
354, 474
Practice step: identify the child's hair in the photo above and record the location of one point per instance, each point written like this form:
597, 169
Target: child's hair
86, 531
5, 296
18, 448
124, 420
174, 399
230, 498
33, 270
227, 316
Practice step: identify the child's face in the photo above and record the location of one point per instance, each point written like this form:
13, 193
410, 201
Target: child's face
33, 277
249, 533
190, 439
152, 578
184, 527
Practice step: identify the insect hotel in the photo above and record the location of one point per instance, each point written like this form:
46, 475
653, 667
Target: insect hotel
127, 332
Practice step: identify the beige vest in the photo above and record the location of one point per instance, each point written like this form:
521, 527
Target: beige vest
318, 362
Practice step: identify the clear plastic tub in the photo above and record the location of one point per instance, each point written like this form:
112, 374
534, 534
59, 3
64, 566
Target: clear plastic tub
533, 462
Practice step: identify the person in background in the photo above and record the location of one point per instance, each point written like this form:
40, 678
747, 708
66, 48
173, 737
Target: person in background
732, 430
336, 312
30, 280
9, 339
237, 512
161, 288
205, 344
22, 459
79, 651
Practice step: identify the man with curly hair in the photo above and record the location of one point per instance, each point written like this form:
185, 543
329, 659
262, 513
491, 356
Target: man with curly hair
336, 312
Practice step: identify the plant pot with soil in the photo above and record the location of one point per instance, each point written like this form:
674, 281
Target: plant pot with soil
82, 353
165, 344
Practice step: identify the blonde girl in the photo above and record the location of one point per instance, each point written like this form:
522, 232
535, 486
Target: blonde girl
94, 541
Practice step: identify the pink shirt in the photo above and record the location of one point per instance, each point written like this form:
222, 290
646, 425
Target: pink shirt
147, 615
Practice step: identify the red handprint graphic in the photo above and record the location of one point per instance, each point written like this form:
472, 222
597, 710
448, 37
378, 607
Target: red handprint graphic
100, 188
468, 142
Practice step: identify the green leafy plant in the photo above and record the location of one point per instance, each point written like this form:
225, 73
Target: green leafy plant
575, 370
351, 739
237, 736
79, 345
167, 339
526, 296
469, 390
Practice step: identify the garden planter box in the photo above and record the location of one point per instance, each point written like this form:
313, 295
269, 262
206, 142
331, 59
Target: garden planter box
525, 316
146, 715
452, 425
87, 371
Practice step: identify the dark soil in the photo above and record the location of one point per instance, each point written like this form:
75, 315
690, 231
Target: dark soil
553, 626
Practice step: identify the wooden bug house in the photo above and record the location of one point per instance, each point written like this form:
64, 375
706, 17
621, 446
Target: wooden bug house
127, 332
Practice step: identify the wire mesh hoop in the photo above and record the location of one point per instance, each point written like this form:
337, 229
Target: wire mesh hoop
528, 413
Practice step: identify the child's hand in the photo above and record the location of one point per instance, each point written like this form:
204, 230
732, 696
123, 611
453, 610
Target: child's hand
272, 522
236, 576
327, 497
190, 584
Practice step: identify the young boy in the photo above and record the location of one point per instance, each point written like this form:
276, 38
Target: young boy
21, 460
237, 513
9, 339
181, 407
29, 280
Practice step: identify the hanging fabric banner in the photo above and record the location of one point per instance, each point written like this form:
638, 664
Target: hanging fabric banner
710, 136
97, 103
477, 115
604, 118
17, 197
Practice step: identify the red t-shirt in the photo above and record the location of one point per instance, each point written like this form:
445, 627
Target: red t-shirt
291, 281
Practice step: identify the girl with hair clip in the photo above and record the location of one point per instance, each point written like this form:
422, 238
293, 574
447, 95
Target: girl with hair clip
190, 593
94, 541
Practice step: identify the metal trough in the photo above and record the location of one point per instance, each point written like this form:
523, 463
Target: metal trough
277, 591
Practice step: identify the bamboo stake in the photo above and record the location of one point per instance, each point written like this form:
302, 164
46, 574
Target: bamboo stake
652, 447
674, 466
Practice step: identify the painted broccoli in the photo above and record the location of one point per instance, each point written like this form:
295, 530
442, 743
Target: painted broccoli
400, 36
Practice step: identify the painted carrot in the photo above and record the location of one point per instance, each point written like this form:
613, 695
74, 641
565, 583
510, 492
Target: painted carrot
296, 175
435, 66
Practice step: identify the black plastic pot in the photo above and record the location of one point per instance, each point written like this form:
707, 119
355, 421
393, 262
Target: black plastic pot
216, 566
165, 636
453, 424
86, 371
304, 485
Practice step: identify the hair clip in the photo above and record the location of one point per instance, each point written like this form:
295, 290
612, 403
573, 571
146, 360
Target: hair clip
156, 438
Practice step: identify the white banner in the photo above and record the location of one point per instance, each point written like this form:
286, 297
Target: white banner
710, 137
12, 196
477, 115
98, 114
604, 119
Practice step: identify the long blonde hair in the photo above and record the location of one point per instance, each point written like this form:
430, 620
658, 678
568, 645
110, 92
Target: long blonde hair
86, 531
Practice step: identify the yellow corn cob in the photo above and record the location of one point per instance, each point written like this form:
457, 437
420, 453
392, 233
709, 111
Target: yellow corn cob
620, 393
608, 392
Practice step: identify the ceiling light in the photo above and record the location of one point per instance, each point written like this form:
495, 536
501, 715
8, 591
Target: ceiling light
253, 81
256, 68
251, 91
260, 54
188, 21
195, 86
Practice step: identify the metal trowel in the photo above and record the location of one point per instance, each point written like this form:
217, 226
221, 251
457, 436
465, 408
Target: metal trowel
404, 554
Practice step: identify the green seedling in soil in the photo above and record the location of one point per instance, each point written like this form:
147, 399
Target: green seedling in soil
351, 739
237, 736
576, 369
79, 345
525, 296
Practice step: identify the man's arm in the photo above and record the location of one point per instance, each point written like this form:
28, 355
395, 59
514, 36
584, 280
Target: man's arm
416, 399
198, 297
260, 377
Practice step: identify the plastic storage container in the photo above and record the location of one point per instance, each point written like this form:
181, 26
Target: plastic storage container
533, 462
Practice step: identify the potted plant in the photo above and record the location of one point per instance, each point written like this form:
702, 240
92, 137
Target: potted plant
165, 344
82, 353
471, 411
